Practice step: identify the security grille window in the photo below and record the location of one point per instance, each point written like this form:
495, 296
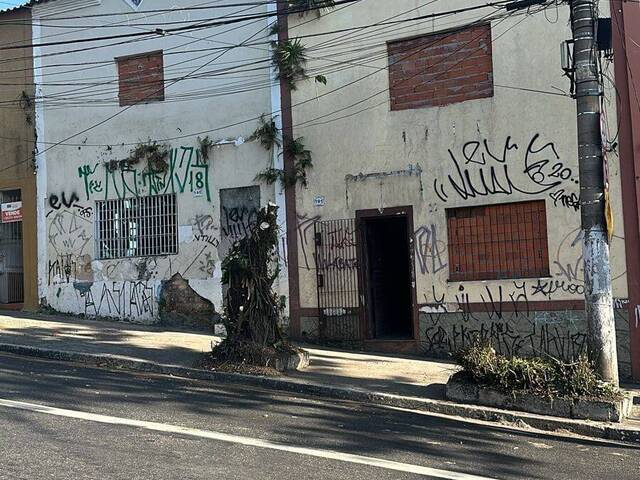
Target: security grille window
498, 241
137, 227
141, 78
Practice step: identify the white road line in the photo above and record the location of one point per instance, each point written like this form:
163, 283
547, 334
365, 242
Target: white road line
251, 442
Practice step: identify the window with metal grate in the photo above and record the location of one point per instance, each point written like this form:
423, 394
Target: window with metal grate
137, 227
498, 241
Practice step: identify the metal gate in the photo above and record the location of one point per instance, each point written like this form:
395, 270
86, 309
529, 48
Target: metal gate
11, 271
337, 280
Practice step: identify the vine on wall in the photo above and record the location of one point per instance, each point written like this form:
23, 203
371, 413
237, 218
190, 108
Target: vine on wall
267, 133
154, 154
302, 162
205, 145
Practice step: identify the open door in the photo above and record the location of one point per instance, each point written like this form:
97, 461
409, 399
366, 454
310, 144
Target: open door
387, 274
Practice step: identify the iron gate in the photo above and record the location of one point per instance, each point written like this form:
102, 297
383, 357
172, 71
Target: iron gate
337, 280
11, 270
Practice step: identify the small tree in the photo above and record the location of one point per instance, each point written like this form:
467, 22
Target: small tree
252, 308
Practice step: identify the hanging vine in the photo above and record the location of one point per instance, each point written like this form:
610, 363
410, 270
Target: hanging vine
153, 153
267, 133
26, 102
302, 162
205, 145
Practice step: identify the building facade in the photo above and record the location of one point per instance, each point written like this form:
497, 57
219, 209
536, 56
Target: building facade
146, 162
18, 252
443, 201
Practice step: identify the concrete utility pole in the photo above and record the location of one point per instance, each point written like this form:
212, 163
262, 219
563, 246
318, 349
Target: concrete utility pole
597, 270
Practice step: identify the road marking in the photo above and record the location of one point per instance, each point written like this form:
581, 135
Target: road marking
247, 441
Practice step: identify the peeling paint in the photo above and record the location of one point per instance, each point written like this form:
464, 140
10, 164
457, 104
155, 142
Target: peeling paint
410, 171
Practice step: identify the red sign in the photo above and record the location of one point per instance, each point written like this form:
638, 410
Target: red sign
11, 212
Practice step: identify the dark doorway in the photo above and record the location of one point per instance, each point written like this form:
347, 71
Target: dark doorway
388, 277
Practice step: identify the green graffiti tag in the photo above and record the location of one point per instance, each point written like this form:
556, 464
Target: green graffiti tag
186, 173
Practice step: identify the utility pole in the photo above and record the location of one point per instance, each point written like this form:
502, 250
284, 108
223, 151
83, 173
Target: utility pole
597, 270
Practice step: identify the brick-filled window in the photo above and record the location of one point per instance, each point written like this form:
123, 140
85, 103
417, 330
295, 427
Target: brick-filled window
498, 241
441, 69
141, 78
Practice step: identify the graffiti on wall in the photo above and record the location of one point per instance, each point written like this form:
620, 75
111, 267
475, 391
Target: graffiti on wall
129, 299
237, 222
431, 252
502, 317
478, 171
187, 172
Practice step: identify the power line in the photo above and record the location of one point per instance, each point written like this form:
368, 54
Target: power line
230, 20
256, 118
219, 128
357, 28
309, 123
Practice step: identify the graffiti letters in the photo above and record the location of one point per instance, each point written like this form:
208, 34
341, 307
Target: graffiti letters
117, 299
430, 252
480, 172
187, 172
62, 270
237, 222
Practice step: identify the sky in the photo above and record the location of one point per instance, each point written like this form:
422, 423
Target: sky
10, 3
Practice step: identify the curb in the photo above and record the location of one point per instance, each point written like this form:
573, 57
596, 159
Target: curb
601, 430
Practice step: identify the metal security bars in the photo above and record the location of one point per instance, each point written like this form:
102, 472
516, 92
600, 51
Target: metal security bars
11, 267
337, 279
137, 227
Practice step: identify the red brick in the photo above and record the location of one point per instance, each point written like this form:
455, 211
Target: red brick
445, 68
141, 78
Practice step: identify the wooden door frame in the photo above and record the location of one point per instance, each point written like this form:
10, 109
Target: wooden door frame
365, 320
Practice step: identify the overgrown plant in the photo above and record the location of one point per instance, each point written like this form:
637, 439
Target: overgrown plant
305, 6
267, 133
154, 154
302, 162
274, 29
26, 103
541, 376
289, 59
205, 145
252, 308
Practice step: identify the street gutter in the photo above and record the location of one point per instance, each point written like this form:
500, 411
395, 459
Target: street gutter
607, 431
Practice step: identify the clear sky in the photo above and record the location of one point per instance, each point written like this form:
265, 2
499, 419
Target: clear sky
10, 3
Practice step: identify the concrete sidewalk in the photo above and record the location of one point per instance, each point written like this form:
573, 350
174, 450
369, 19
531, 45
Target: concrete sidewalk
409, 383
401, 376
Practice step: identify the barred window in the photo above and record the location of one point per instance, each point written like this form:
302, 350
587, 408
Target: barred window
137, 227
498, 241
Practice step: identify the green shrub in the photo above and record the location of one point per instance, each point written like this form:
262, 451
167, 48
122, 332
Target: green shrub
548, 377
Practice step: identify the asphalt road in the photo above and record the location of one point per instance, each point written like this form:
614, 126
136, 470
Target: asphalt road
62, 421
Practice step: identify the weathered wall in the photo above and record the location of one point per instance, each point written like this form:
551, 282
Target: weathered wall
73, 279
17, 135
517, 145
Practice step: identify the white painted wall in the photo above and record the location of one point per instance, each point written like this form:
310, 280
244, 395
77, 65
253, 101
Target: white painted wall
72, 103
